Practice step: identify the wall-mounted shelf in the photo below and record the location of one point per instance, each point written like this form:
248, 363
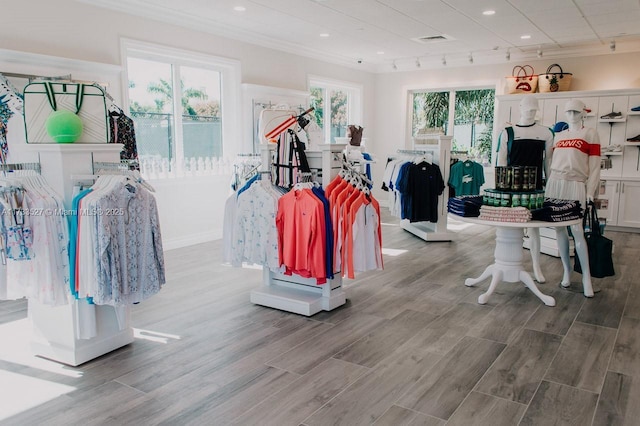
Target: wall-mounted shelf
633, 113
613, 120
610, 153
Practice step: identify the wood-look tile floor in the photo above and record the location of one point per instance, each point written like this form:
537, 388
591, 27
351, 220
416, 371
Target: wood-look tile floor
411, 347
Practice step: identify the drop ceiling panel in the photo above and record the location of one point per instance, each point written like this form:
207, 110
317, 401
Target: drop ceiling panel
419, 8
613, 19
541, 6
386, 18
309, 11
360, 28
599, 7
511, 30
474, 8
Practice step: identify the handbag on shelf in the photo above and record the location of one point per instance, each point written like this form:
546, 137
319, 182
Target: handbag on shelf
523, 79
599, 247
556, 81
87, 101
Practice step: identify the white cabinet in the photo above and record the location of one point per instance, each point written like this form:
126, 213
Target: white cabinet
621, 206
628, 211
508, 113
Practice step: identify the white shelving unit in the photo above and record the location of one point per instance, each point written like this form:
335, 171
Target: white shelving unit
293, 293
440, 146
55, 327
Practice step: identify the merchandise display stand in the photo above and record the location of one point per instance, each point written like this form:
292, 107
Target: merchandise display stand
55, 328
508, 256
429, 231
293, 293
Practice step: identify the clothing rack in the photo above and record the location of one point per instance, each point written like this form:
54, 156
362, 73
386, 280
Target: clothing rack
293, 293
438, 231
55, 329
10, 167
105, 165
349, 167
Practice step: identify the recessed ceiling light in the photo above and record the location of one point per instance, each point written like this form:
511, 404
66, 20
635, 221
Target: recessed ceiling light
525, 37
489, 12
324, 34
239, 8
380, 52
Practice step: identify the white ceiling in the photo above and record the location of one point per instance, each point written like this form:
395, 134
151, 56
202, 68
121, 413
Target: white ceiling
359, 29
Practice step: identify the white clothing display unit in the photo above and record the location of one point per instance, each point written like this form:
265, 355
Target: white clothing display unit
440, 147
55, 328
293, 293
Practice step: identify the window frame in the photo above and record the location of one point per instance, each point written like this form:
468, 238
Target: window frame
452, 104
230, 76
354, 101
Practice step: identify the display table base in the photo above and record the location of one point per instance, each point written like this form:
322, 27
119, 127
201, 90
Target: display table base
508, 266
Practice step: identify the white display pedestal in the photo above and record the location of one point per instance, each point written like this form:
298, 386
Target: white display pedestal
55, 329
299, 295
508, 256
61, 161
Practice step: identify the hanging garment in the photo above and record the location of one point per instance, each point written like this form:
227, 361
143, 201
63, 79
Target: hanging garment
301, 234
290, 160
122, 130
11, 102
466, 177
355, 215
39, 267
254, 236
420, 186
5, 114
119, 256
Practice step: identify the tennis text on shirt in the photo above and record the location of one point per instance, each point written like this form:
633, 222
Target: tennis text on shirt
580, 144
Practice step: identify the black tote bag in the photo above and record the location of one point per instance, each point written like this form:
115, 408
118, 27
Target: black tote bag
600, 248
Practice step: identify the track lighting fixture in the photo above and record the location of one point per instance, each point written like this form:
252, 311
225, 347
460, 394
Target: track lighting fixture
394, 66
539, 52
507, 55
418, 64
470, 57
444, 60
612, 46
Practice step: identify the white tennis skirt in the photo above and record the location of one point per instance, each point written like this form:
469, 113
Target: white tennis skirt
567, 190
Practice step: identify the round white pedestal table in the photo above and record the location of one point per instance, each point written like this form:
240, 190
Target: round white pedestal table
508, 256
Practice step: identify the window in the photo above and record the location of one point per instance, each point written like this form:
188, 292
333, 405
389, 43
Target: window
467, 115
181, 105
337, 104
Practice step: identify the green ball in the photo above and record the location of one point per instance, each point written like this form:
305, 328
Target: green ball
63, 126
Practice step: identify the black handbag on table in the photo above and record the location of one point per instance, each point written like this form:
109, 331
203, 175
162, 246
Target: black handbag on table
599, 247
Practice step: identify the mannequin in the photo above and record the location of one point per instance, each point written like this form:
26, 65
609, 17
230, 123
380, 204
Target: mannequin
532, 146
574, 175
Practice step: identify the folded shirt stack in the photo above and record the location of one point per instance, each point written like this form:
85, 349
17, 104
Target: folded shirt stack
465, 205
505, 214
554, 210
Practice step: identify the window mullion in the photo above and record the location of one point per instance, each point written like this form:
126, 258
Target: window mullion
452, 113
177, 118
326, 115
